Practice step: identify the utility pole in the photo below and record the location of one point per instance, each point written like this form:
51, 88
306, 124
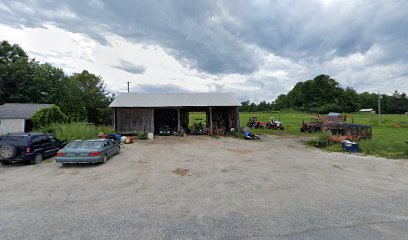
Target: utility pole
128, 85
379, 108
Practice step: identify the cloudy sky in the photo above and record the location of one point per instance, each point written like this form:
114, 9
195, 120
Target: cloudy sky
257, 49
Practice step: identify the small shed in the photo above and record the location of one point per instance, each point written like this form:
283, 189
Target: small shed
146, 112
15, 117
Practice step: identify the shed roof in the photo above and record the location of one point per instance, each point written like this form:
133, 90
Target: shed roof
333, 114
20, 110
175, 100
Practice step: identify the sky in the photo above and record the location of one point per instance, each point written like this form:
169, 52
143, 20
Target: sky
257, 49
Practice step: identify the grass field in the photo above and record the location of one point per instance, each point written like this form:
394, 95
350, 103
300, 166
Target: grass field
389, 138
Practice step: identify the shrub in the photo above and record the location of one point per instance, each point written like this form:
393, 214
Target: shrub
47, 116
76, 130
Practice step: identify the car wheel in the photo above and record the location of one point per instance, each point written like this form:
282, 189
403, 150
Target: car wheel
118, 151
8, 151
37, 159
105, 159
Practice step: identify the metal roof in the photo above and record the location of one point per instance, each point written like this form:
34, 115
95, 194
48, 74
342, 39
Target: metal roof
333, 114
20, 110
175, 100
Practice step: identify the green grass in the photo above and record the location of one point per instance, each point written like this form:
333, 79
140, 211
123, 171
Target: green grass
76, 130
388, 138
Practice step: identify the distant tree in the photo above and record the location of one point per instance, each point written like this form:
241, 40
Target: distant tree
244, 106
281, 102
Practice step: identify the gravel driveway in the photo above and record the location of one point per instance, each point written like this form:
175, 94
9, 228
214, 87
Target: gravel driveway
205, 188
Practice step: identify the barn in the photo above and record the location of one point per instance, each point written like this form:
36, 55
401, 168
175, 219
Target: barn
15, 117
147, 112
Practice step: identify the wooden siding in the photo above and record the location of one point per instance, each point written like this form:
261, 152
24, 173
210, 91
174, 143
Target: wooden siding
134, 120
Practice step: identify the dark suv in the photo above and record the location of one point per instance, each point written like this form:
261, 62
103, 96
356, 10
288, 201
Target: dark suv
30, 147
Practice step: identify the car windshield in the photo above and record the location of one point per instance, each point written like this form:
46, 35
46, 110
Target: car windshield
84, 144
74, 144
91, 144
15, 139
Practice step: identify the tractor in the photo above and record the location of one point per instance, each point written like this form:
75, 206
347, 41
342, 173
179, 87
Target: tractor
254, 123
314, 125
274, 124
198, 128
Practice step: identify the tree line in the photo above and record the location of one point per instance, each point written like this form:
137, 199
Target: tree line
81, 96
323, 94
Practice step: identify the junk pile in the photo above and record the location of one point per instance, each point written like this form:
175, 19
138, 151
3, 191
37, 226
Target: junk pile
337, 127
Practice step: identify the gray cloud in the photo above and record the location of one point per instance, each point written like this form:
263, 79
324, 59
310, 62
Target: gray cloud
130, 67
222, 37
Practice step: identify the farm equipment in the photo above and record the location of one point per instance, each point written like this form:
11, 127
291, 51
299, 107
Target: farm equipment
348, 131
337, 127
198, 128
314, 125
274, 124
254, 123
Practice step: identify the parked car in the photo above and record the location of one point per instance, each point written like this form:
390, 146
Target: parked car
29, 147
89, 151
165, 130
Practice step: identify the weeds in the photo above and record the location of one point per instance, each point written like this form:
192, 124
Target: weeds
76, 130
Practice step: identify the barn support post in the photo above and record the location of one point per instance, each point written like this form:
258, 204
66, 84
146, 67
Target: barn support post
238, 123
152, 120
211, 120
113, 119
178, 120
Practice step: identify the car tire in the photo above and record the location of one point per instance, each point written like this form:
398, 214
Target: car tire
105, 159
37, 159
8, 151
118, 151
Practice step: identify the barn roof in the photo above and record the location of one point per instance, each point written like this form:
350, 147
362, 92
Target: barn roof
175, 100
20, 110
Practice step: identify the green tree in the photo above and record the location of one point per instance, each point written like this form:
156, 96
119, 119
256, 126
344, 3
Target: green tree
47, 116
14, 73
93, 95
47, 83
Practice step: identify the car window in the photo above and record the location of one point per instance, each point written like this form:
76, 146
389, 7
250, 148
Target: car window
74, 144
91, 144
35, 140
52, 138
21, 140
110, 143
45, 140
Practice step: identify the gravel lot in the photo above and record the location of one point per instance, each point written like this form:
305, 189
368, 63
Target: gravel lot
205, 188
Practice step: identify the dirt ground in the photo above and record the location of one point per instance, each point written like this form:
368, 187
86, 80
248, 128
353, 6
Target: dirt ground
204, 188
